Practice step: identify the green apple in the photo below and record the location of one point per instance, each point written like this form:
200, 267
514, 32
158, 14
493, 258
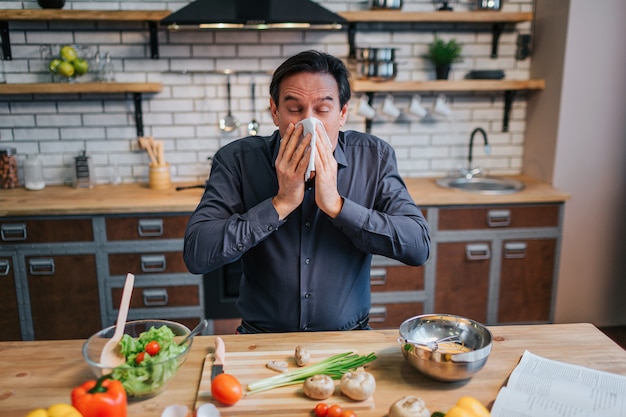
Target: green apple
68, 53
66, 69
54, 65
81, 66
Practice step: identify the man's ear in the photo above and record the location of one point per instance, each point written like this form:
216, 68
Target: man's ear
343, 115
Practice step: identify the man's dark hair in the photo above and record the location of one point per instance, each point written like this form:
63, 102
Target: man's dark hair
315, 62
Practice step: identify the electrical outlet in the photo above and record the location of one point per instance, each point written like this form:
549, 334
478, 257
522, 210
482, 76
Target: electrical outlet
134, 146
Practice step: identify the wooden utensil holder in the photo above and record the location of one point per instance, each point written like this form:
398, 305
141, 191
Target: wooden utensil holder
159, 178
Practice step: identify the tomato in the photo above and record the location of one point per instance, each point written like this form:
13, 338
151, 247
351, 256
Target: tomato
321, 410
140, 357
226, 389
348, 413
152, 348
334, 411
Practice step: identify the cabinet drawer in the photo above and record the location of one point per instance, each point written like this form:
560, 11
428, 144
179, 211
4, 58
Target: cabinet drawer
160, 296
146, 263
44, 231
146, 227
383, 316
397, 278
9, 312
501, 216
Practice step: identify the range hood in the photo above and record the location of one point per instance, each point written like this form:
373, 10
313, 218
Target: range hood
253, 14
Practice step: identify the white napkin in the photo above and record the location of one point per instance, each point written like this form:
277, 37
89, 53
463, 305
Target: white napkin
309, 127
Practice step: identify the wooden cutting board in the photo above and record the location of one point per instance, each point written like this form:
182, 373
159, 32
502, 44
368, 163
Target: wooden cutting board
250, 366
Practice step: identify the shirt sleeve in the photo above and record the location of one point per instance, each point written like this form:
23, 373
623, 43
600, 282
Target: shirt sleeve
222, 229
395, 226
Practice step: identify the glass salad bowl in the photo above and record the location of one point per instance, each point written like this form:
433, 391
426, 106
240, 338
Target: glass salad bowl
148, 370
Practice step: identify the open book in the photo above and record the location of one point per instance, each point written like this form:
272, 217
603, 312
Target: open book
547, 388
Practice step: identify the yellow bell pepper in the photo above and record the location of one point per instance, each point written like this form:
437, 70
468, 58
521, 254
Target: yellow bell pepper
56, 410
468, 407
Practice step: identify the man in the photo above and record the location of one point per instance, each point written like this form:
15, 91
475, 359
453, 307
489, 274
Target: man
305, 246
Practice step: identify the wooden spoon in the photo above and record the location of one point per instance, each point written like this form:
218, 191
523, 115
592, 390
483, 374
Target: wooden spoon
111, 356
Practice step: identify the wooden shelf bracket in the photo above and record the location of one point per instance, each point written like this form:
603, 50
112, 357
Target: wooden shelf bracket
509, 95
6, 41
138, 114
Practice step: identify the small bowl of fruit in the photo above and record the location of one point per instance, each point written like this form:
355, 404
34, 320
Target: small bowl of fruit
67, 63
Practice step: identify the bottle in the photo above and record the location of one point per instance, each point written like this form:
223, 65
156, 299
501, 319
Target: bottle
33, 173
8, 168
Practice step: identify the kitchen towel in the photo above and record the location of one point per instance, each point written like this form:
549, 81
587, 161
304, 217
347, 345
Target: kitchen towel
309, 127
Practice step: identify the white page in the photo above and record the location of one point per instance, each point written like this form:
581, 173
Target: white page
511, 403
578, 390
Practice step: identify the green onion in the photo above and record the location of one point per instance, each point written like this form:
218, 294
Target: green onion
334, 367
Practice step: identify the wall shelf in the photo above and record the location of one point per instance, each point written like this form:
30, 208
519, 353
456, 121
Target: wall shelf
153, 17
497, 19
510, 87
89, 88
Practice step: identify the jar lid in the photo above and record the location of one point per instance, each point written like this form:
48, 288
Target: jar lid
8, 151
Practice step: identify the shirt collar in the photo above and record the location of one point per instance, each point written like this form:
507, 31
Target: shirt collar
340, 155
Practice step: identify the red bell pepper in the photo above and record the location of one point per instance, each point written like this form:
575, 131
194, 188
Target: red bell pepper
105, 397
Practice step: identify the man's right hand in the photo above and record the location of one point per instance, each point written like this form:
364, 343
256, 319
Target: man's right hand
291, 164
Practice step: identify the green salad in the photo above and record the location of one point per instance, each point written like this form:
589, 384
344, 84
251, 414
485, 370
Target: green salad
148, 365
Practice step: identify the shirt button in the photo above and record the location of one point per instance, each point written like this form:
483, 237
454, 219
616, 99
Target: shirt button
270, 227
307, 261
240, 247
307, 224
307, 295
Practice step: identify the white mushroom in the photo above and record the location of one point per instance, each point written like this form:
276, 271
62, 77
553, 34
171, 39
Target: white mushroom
358, 385
302, 356
409, 406
278, 366
319, 387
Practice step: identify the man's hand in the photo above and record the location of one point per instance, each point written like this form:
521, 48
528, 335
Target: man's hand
327, 196
291, 164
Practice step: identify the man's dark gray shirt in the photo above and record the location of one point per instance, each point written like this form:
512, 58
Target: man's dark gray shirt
308, 272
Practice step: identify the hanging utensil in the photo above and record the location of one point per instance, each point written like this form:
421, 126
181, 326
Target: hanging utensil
253, 126
230, 122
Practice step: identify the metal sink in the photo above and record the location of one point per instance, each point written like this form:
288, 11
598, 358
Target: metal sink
483, 185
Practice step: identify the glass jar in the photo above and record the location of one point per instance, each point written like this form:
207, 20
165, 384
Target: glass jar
33, 173
8, 168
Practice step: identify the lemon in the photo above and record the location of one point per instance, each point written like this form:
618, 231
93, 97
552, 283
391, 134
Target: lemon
66, 69
68, 53
54, 65
63, 410
80, 66
39, 412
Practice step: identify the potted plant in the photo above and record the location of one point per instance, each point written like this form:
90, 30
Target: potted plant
443, 54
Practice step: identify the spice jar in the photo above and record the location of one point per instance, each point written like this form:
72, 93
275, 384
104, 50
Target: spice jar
8, 168
33, 173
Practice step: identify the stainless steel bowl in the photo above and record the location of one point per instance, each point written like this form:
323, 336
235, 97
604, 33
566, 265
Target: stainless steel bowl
376, 54
377, 70
438, 364
386, 4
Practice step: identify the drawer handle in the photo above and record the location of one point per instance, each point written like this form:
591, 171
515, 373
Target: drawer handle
498, 218
515, 250
41, 266
13, 232
5, 267
378, 276
153, 263
150, 227
378, 314
155, 297
477, 251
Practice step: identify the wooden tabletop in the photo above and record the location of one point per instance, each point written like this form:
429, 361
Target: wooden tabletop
138, 198
41, 373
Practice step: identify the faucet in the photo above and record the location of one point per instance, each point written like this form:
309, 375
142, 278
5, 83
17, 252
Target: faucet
471, 172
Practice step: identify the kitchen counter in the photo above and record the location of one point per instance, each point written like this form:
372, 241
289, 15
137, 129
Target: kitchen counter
41, 373
138, 198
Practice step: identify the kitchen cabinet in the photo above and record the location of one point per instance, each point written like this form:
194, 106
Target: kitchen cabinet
497, 264
150, 246
52, 263
9, 308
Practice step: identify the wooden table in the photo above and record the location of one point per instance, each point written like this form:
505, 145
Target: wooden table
40, 373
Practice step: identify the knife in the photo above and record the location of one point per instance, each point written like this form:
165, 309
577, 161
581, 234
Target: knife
218, 363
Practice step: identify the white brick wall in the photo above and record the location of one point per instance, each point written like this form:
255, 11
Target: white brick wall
185, 114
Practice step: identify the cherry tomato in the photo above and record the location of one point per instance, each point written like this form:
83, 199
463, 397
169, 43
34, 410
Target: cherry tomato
152, 348
226, 389
348, 413
335, 410
140, 357
321, 410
